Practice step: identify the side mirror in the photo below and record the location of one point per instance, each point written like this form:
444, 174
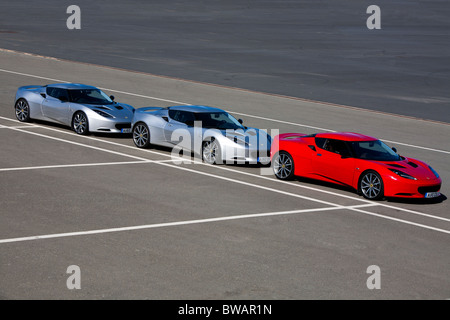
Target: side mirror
240, 121
112, 98
394, 149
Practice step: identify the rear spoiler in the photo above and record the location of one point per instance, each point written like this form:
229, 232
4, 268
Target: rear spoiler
31, 87
149, 109
291, 136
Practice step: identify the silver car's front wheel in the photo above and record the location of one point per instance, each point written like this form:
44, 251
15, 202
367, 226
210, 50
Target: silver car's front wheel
141, 135
371, 185
80, 123
283, 166
22, 110
211, 152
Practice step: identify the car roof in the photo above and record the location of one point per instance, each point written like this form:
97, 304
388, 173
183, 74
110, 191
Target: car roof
196, 108
70, 86
346, 136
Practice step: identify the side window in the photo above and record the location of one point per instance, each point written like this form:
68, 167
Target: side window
50, 92
320, 142
61, 94
181, 116
336, 146
174, 115
58, 93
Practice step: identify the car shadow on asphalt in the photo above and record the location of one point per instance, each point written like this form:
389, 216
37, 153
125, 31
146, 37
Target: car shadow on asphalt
94, 134
423, 201
436, 200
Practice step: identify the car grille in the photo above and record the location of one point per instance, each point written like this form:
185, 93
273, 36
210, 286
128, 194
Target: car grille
423, 190
121, 126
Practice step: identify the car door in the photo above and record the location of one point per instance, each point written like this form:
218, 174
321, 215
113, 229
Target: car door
56, 105
177, 127
333, 161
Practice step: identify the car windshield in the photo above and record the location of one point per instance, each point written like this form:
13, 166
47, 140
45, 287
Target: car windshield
219, 120
89, 96
373, 150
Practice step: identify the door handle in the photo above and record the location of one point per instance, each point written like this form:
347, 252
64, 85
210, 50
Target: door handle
319, 154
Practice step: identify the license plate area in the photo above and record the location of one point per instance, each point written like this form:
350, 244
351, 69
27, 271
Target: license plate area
430, 195
264, 160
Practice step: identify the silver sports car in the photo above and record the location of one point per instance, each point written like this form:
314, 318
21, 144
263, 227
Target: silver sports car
209, 132
82, 107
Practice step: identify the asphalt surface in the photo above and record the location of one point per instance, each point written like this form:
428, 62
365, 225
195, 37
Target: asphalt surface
320, 50
140, 227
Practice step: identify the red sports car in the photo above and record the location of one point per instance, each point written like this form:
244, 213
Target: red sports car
351, 159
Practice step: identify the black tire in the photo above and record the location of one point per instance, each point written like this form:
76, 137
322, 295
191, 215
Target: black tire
211, 151
141, 135
283, 166
22, 110
80, 123
371, 185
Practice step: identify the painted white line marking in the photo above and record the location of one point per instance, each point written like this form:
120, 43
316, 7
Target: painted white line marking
333, 193
177, 223
30, 75
328, 130
16, 127
401, 220
79, 144
181, 168
281, 121
98, 164
248, 115
249, 174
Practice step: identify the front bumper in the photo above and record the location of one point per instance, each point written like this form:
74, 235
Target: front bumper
405, 188
241, 154
109, 125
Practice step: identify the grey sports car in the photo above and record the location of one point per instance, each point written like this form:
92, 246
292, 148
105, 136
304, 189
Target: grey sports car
84, 108
209, 132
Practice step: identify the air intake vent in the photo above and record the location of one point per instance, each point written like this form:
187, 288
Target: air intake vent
424, 190
397, 166
412, 164
119, 108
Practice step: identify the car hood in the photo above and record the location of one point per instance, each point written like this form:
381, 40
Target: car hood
116, 109
413, 167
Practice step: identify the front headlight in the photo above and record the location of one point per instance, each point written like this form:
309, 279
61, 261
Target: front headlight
434, 171
103, 114
403, 174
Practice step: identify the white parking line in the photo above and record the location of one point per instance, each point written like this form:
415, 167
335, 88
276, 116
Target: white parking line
248, 115
402, 221
179, 223
78, 144
16, 127
97, 164
250, 174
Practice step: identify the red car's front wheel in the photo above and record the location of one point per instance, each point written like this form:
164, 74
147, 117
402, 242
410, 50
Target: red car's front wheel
283, 166
371, 185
